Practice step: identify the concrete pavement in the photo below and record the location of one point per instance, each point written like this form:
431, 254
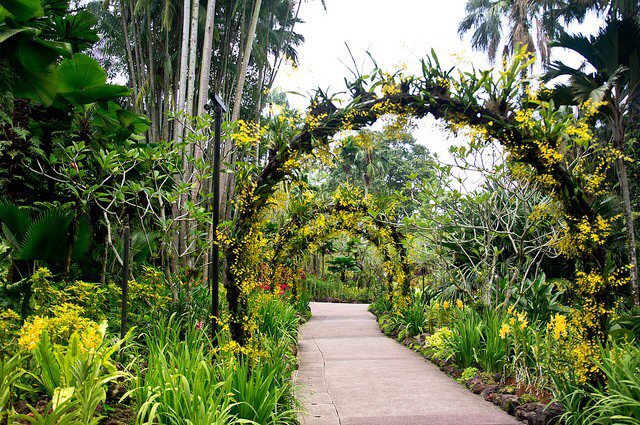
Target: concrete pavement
352, 374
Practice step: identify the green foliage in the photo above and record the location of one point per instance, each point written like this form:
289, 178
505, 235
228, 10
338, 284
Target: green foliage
540, 299
439, 343
342, 265
45, 237
185, 379
10, 374
616, 403
278, 320
491, 354
413, 317
331, 288
468, 373
258, 396
181, 381
466, 338
75, 366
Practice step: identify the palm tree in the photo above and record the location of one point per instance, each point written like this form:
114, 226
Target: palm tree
488, 18
614, 54
512, 23
342, 265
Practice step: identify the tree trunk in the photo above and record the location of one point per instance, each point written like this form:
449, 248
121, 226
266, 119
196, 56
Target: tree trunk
207, 50
127, 43
153, 107
619, 143
205, 77
184, 67
631, 239
242, 73
193, 54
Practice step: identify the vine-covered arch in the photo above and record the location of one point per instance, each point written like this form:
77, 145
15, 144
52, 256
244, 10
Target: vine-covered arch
311, 221
493, 107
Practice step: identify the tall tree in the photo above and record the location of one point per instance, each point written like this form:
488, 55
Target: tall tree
614, 53
509, 23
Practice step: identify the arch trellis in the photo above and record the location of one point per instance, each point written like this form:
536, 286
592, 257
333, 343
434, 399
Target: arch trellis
351, 213
497, 107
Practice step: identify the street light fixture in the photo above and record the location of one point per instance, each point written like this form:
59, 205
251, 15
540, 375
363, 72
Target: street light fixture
219, 108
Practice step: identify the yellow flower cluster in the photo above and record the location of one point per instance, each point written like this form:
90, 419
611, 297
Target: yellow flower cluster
515, 322
9, 324
558, 325
585, 236
390, 89
315, 121
584, 354
67, 319
247, 133
549, 155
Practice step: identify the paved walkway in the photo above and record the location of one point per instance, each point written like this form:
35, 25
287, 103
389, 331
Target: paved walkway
352, 374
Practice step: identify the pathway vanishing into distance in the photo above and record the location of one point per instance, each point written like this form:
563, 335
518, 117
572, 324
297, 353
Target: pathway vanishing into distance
352, 374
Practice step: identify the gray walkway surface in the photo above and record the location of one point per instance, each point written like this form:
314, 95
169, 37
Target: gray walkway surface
352, 374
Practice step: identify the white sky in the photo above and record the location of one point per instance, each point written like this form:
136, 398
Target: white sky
397, 33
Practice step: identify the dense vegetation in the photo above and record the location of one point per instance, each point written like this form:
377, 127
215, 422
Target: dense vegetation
527, 277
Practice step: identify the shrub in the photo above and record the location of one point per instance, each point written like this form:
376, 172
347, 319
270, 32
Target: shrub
66, 320
465, 338
617, 402
439, 343
491, 355
9, 327
468, 373
277, 319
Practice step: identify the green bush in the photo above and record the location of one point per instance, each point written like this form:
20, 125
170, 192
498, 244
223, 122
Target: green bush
492, 353
616, 402
278, 320
439, 343
181, 382
337, 290
466, 338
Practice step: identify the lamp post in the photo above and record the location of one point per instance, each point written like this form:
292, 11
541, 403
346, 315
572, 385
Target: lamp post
214, 261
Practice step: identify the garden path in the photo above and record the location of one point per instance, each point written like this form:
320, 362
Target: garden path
352, 374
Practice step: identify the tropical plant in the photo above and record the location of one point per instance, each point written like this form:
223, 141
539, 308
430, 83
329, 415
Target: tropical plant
181, 380
413, 316
466, 339
56, 235
10, 373
258, 394
614, 53
491, 355
278, 320
342, 265
540, 299
615, 403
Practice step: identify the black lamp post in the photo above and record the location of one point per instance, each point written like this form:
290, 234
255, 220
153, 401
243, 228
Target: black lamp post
214, 261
